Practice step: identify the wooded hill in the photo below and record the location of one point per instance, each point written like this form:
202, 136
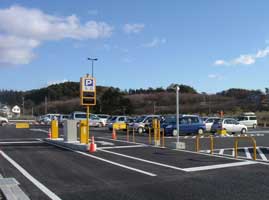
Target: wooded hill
64, 98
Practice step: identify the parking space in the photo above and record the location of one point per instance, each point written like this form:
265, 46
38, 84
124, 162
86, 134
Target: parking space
122, 169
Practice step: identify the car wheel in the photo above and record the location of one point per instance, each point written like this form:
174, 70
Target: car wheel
3, 123
200, 131
243, 131
140, 130
254, 126
174, 132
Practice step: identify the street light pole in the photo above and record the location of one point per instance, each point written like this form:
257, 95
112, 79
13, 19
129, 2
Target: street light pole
177, 113
92, 59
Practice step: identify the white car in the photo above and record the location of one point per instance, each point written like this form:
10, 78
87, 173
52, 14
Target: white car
228, 124
209, 122
248, 119
142, 123
103, 118
3, 121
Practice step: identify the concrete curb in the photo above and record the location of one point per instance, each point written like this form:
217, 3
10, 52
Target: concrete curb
72, 145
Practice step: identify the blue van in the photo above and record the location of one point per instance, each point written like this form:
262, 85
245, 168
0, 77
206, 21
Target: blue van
188, 124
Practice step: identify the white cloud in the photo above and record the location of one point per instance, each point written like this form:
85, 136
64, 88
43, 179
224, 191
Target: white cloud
155, 42
15, 50
23, 29
246, 59
133, 28
56, 82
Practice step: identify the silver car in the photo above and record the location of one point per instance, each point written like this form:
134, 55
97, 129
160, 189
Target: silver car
228, 124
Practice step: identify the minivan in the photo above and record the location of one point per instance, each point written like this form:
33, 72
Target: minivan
248, 119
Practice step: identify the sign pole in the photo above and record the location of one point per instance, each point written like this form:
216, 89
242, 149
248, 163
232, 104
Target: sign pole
88, 125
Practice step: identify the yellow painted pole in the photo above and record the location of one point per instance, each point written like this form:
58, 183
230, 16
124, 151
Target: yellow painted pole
197, 143
211, 144
54, 129
127, 128
88, 125
149, 135
235, 147
83, 131
254, 149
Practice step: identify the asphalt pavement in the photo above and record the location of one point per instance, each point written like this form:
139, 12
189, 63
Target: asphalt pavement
133, 169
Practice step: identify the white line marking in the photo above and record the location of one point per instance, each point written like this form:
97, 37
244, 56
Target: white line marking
202, 136
121, 147
185, 137
233, 154
107, 161
208, 151
38, 130
119, 140
221, 152
143, 160
42, 187
22, 142
209, 167
193, 137
261, 154
247, 153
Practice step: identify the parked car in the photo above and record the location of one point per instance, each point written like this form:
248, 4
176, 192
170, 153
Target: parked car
93, 121
46, 119
228, 124
249, 119
103, 118
116, 119
209, 122
188, 124
3, 121
142, 123
63, 117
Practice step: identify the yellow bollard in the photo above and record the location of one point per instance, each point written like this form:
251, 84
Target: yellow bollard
54, 129
127, 134
83, 131
149, 135
197, 143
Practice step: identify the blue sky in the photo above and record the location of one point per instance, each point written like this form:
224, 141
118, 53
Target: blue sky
210, 45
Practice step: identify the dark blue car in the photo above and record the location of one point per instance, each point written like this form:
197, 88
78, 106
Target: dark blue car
188, 124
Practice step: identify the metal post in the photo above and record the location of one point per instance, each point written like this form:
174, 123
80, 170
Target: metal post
133, 135
177, 114
127, 138
88, 127
149, 135
211, 144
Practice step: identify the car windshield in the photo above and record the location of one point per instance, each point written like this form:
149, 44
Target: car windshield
140, 119
80, 116
170, 119
113, 119
216, 121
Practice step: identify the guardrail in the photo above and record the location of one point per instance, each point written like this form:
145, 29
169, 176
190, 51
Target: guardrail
197, 145
245, 137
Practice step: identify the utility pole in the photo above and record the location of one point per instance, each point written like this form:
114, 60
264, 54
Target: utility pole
46, 104
22, 105
177, 88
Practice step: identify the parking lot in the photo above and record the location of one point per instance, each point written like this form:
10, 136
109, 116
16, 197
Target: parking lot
131, 170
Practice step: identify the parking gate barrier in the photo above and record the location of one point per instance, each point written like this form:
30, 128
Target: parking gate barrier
54, 129
83, 131
197, 143
245, 137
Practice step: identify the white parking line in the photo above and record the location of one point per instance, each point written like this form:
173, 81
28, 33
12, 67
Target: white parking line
42, 187
210, 167
261, 154
121, 147
247, 153
22, 142
105, 160
143, 160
